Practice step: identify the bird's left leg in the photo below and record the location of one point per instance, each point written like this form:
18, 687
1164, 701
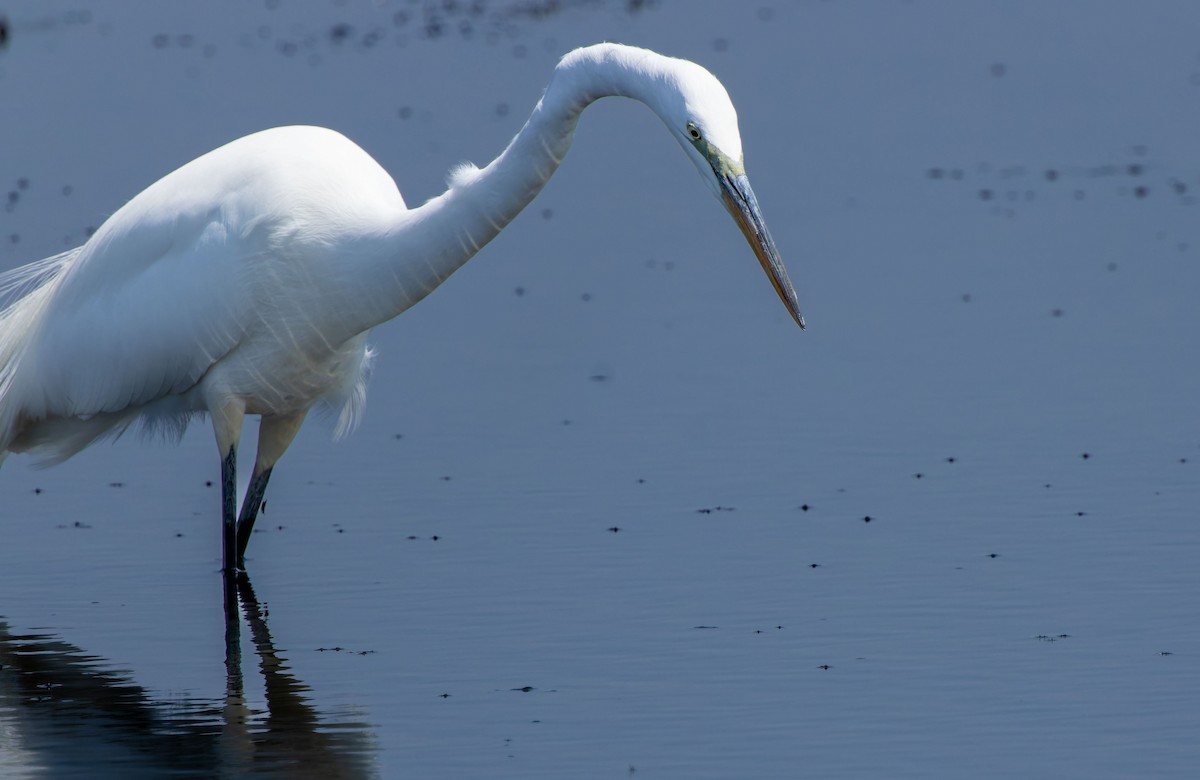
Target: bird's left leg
227, 419
275, 434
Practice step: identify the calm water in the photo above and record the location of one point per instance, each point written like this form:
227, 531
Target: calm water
607, 515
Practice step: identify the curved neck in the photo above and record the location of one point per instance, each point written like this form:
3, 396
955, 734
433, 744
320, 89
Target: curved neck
427, 244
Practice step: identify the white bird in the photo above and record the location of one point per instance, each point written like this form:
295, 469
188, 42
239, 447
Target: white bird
247, 281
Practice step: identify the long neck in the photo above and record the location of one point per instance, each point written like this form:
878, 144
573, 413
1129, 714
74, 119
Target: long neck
427, 244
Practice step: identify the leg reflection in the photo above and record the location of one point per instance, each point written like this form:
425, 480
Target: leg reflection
72, 715
292, 733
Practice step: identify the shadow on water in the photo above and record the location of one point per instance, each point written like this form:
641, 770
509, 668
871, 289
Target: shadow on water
62, 715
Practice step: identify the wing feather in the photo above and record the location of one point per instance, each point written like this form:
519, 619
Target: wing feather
201, 264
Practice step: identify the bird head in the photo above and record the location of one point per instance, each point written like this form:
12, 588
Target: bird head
697, 110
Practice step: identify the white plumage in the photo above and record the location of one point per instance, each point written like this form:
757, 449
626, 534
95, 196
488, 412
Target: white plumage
246, 281
207, 283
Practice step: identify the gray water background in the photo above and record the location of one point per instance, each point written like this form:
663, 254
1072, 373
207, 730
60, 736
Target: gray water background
989, 210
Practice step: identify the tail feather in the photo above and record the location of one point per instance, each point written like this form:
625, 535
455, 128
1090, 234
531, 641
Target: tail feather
57, 439
24, 294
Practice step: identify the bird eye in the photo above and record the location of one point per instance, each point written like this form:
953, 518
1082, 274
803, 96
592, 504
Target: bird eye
693, 132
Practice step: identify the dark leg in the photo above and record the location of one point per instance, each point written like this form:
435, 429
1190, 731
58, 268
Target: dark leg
250, 507
229, 512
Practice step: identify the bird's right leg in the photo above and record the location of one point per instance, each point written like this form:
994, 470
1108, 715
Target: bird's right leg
227, 425
275, 433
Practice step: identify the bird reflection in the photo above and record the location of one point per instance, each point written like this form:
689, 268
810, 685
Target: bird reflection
63, 714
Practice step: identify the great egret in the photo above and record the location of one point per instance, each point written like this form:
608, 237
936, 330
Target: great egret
246, 281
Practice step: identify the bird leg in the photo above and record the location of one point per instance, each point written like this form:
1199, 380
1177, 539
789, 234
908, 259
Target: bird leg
275, 434
227, 415
228, 511
250, 507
